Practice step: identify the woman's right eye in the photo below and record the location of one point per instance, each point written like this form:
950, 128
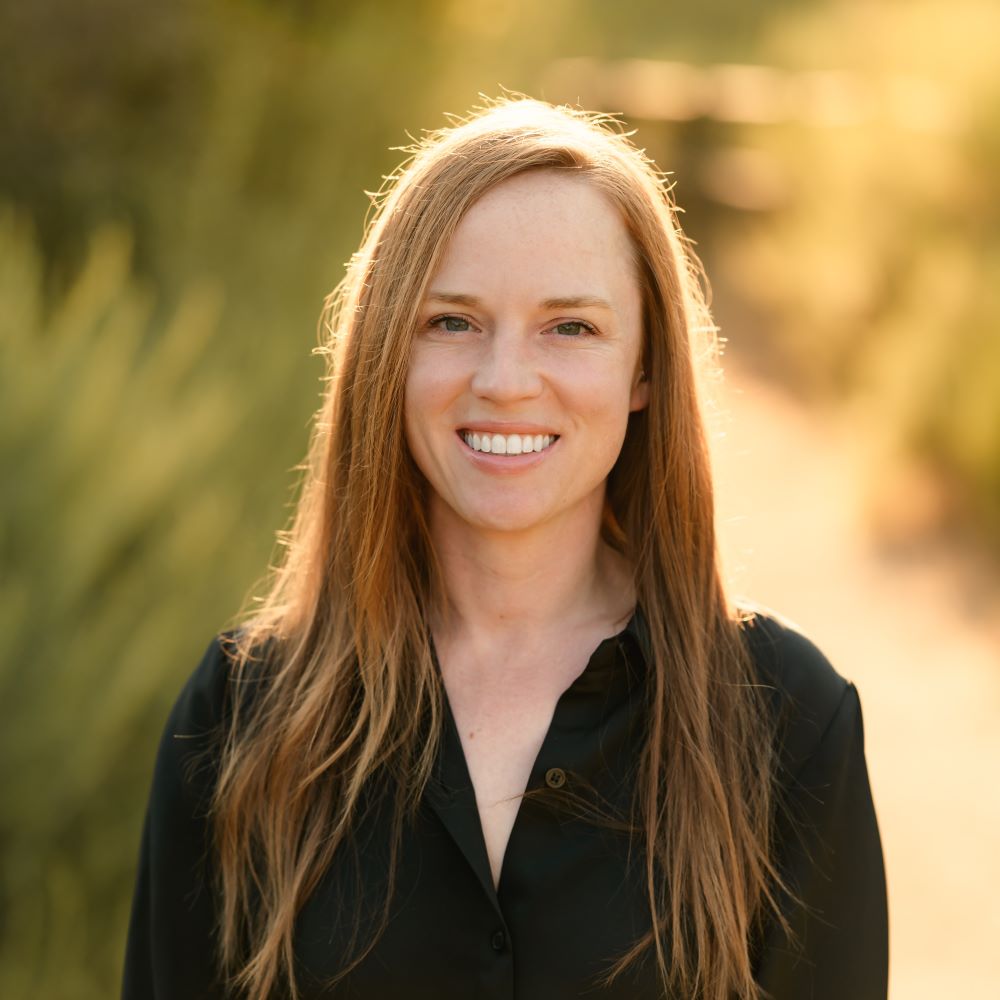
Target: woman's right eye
451, 324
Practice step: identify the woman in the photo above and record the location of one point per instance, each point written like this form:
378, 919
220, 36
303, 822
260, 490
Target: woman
496, 730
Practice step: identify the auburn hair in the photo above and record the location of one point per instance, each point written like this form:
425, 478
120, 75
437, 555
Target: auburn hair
350, 692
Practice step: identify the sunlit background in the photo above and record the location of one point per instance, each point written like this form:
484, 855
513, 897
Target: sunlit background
180, 184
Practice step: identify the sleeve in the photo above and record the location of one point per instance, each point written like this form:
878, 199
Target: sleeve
170, 952
832, 861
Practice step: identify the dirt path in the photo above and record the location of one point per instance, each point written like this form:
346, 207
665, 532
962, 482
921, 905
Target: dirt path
926, 662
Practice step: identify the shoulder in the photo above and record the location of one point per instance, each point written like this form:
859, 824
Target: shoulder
807, 693
200, 705
206, 698
185, 761
198, 719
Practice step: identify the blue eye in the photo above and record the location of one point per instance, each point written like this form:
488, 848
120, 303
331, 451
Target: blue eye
451, 324
573, 328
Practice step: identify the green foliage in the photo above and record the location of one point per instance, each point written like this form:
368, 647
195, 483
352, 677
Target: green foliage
875, 279
95, 100
120, 524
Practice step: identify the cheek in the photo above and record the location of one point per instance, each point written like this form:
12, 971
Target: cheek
421, 392
429, 392
601, 391
415, 436
415, 408
433, 380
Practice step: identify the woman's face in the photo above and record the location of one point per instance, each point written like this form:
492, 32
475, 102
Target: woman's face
525, 362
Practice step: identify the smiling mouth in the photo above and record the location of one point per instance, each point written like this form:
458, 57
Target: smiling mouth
508, 444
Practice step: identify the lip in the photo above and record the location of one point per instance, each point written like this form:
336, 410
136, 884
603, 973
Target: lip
504, 464
502, 427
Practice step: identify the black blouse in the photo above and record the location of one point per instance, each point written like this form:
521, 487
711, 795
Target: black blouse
571, 897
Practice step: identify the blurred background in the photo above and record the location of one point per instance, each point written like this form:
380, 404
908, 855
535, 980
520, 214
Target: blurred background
181, 182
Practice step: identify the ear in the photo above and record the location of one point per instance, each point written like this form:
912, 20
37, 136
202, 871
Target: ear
639, 399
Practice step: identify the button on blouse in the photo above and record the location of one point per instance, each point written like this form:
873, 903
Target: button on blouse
555, 777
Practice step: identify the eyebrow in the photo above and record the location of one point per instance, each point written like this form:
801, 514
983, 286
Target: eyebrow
561, 302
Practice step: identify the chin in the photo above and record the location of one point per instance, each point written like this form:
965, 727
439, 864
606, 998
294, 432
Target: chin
505, 524
506, 519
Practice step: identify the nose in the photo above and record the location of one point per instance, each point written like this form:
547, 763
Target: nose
507, 369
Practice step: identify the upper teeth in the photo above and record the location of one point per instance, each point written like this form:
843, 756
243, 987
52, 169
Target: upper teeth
507, 444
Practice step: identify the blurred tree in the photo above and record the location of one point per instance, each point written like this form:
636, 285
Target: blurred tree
96, 100
875, 281
121, 521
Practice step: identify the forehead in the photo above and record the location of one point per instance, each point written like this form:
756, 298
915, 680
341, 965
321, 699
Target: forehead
550, 232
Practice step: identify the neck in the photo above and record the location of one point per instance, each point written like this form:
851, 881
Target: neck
551, 577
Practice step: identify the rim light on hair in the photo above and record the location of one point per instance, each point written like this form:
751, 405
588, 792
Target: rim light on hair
352, 696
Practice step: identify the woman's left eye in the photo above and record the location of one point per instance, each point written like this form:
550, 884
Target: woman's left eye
573, 328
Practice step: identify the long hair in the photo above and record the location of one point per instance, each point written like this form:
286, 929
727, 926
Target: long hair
349, 691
